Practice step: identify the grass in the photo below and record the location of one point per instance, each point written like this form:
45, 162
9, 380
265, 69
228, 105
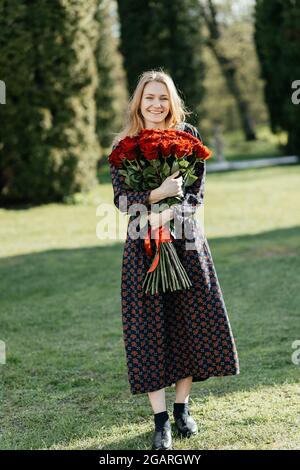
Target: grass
64, 384
265, 146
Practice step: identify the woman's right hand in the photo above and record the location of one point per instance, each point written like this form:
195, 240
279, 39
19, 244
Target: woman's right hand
172, 186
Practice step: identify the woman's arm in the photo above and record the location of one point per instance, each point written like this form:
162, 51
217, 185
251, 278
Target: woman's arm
192, 200
195, 193
156, 195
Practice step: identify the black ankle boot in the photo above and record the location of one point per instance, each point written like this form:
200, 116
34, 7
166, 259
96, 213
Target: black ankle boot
162, 438
184, 423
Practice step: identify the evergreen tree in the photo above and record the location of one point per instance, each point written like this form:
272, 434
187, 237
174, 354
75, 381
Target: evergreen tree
166, 35
278, 46
48, 142
109, 65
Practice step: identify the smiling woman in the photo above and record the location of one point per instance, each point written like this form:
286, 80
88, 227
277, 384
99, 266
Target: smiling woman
155, 105
175, 337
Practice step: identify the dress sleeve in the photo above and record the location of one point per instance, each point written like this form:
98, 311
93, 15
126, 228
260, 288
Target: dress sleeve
195, 193
125, 198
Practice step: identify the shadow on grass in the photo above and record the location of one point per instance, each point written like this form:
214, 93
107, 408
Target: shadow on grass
65, 374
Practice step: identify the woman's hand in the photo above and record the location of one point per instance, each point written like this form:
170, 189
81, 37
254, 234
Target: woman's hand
156, 220
172, 186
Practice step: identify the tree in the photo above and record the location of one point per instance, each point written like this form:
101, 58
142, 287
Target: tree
48, 142
167, 35
227, 66
111, 96
237, 40
277, 40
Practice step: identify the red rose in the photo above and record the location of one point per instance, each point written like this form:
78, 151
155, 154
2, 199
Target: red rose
166, 146
116, 156
183, 147
201, 151
129, 147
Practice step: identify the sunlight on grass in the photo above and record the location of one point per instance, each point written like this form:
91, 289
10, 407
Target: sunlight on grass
65, 385
235, 203
256, 419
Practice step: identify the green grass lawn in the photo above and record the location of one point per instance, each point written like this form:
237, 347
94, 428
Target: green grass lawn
64, 384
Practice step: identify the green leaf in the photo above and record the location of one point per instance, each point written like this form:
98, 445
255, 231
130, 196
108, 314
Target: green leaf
155, 163
127, 181
190, 180
175, 167
183, 163
149, 171
165, 170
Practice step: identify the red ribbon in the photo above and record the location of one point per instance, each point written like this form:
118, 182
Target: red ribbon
164, 235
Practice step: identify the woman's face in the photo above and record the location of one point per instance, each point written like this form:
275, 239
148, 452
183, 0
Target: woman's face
155, 105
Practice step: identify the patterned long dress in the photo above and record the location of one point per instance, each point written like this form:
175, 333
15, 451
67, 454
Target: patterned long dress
173, 335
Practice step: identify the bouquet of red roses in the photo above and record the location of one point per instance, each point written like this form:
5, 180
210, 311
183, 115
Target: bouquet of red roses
146, 160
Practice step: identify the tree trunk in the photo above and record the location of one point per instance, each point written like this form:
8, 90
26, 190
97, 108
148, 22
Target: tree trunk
229, 73
228, 68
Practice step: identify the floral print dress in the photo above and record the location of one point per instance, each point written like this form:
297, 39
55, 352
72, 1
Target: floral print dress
172, 335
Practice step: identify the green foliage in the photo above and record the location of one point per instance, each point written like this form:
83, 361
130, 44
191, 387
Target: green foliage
149, 174
48, 142
165, 35
278, 46
237, 44
110, 97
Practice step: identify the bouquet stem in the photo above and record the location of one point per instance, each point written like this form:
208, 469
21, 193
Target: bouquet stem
166, 271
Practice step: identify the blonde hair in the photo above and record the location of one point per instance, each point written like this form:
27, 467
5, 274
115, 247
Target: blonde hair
134, 120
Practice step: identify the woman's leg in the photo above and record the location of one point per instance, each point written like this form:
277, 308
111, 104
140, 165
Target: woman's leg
158, 400
162, 438
186, 425
183, 387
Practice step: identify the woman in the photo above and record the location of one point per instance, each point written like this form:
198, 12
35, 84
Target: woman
175, 337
